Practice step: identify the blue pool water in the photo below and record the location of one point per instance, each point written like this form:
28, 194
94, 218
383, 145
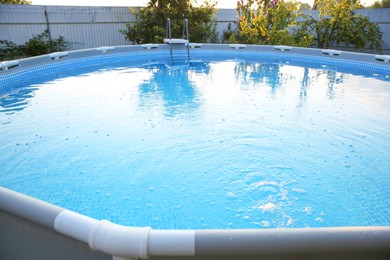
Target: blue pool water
230, 143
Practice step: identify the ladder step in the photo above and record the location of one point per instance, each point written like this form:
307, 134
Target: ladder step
176, 41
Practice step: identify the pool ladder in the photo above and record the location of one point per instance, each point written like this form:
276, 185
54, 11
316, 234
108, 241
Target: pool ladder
183, 41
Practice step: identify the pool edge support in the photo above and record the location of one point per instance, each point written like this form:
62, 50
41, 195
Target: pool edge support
282, 48
383, 58
8, 64
331, 52
105, 49
58, 55
237, 46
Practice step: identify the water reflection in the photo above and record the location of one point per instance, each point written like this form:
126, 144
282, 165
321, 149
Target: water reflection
175, 85
334, 80
249, 73
281, 75
16, 101
171, 85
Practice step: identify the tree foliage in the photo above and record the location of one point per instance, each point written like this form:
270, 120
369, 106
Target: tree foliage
279, 22
15, 2
270, 22
380, 4
303, 6
150, 24
339, 24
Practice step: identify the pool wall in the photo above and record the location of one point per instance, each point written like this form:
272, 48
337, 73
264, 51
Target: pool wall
33, 229
12, 70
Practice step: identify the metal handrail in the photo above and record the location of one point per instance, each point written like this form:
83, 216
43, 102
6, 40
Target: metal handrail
185, 31
185, 35
168, 29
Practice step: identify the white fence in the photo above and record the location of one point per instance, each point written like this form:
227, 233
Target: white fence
89, 27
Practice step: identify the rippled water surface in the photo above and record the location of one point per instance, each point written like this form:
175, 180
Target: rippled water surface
227, 144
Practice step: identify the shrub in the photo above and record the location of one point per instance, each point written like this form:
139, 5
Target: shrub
41, 44
9, 50
38, 45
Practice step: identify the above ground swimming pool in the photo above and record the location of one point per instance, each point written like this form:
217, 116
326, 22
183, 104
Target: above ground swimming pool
224, 139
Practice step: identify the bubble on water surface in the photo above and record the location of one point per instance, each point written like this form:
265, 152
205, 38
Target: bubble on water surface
308, 210
265, 223
269, 207
298, 190
230, 195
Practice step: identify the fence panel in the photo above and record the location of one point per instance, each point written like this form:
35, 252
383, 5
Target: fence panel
85, 27
89, 27
18, 23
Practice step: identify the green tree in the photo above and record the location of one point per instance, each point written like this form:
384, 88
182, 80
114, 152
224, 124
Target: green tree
339, 23
380, 4
270, 22
15, 2
150, 24
303, 6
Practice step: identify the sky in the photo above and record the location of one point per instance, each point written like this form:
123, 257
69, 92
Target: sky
221, 3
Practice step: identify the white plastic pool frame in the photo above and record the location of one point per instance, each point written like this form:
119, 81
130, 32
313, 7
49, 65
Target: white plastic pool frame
34, 229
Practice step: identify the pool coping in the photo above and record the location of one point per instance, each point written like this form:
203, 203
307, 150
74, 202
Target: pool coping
13, 66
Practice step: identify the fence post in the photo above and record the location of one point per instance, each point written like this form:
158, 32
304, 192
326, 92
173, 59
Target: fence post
48, 24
